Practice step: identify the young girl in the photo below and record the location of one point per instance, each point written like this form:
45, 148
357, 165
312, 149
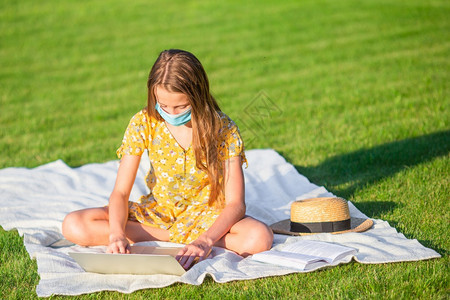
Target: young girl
196, 179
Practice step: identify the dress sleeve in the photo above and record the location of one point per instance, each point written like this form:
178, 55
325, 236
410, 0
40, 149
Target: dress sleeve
136, 137
232, 144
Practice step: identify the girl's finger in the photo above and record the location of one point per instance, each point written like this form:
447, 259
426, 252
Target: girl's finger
189, 262
184, 259
181, 253
188, 258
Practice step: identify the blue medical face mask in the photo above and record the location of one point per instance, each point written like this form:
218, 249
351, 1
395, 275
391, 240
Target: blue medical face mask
175, 120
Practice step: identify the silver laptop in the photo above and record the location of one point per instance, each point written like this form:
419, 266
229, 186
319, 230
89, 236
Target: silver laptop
143, 260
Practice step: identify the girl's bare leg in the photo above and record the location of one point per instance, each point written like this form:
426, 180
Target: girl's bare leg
246, 237
90, 227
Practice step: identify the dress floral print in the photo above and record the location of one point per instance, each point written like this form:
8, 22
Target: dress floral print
179, 191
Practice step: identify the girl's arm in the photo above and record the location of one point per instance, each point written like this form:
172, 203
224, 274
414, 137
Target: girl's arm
233, 212
118, 204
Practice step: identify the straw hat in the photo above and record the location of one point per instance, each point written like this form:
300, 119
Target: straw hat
318, 215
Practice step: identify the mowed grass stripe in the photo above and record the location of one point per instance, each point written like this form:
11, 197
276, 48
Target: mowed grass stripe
296, 53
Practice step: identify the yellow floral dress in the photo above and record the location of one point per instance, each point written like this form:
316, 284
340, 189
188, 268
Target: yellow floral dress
179, 191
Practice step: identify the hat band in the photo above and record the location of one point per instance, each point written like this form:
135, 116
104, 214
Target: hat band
321, 226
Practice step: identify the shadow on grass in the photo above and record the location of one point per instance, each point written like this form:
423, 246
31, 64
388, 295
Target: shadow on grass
344, 174
374, 209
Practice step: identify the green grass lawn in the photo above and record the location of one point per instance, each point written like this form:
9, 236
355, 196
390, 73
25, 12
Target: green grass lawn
355, 94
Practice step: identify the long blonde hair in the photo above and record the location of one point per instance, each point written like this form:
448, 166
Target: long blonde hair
181, 72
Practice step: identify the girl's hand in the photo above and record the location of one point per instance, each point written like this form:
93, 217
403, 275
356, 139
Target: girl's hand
118, 244
198, 250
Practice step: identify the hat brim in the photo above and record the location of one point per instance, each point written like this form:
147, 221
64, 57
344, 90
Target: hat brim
357, 225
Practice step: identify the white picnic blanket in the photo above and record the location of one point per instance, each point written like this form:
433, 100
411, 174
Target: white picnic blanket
35, 201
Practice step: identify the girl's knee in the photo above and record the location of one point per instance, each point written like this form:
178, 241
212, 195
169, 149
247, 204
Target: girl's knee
265, 236
71, 225
87, 227
259, 238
